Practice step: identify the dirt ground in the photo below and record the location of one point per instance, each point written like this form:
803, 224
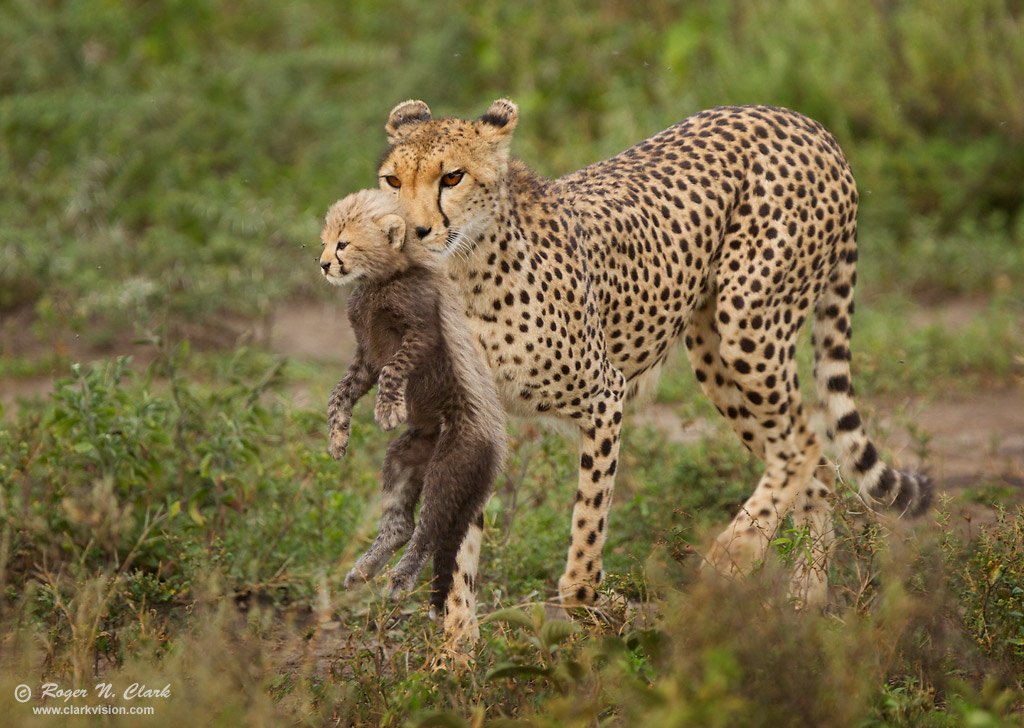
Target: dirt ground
973, 442
966, 442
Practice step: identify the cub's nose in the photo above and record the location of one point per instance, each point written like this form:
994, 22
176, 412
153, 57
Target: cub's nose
326, 266
422, 232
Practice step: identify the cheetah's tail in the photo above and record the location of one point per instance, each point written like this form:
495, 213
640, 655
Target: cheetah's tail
879, 484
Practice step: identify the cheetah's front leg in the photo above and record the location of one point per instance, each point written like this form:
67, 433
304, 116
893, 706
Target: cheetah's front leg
390, 410
460, 622
599, 452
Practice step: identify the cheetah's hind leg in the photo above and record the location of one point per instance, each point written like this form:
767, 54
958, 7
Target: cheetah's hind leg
808, 585
811, 506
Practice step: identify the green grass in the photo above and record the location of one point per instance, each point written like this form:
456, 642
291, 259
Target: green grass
170, 171
163, 171
171, 523
894, 350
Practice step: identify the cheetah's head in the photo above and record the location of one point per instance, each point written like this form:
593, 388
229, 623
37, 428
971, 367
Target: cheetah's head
447, 172
363, 237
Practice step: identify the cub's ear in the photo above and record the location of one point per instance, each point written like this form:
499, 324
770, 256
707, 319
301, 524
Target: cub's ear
394, 228
499, 121
407, 114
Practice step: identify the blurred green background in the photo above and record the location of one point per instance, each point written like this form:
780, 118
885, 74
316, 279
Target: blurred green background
164, 170
163, 163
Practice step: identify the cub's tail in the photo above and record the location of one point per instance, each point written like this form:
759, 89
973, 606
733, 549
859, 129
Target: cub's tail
910, 493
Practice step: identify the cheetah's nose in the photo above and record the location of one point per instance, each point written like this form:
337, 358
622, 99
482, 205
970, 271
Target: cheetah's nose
326, 266
422, 232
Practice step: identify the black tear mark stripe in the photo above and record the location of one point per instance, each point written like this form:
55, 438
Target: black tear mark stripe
444, 218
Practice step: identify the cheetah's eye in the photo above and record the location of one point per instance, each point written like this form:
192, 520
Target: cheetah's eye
393, 181
451, 179
342, 245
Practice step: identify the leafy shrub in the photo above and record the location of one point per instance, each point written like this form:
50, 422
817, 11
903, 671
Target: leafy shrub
171, 163
989, 578
160, 483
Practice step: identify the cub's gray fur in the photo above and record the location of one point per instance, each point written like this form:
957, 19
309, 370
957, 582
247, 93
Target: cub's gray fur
412, 340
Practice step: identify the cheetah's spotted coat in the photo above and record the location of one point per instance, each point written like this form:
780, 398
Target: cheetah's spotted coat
726, 230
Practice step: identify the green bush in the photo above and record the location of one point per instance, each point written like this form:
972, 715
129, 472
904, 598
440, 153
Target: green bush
171, 161
140, 512
989, 578
178, 481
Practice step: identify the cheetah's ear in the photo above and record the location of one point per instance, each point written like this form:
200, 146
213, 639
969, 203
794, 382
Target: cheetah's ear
394, 228
408, 114
499, 121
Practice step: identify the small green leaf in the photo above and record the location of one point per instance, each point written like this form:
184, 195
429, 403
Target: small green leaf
204, 465
995, 575
537, 615
84, 447
511, 616
193, 509
557, 630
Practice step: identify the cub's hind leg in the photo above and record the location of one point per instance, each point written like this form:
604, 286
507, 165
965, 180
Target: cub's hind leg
745, 399
456, 485
401, 482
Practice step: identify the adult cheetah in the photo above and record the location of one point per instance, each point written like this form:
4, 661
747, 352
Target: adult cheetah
725, 230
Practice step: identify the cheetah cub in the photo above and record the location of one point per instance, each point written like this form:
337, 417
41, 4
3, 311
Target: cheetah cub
413, 342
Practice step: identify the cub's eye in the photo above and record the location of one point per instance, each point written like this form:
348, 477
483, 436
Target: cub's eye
342, 245
393, 181
451, 179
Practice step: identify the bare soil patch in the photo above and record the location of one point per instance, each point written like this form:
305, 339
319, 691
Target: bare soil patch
314, 330
965, 442
973, 446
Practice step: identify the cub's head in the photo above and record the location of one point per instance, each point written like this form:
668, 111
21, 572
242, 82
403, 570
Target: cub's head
448, 173
363, 237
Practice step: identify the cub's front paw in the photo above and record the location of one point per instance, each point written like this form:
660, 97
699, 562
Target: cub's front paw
390, 410
337, 442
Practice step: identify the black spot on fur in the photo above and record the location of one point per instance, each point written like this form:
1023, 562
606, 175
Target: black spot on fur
849, 421
867, 459
838, 383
